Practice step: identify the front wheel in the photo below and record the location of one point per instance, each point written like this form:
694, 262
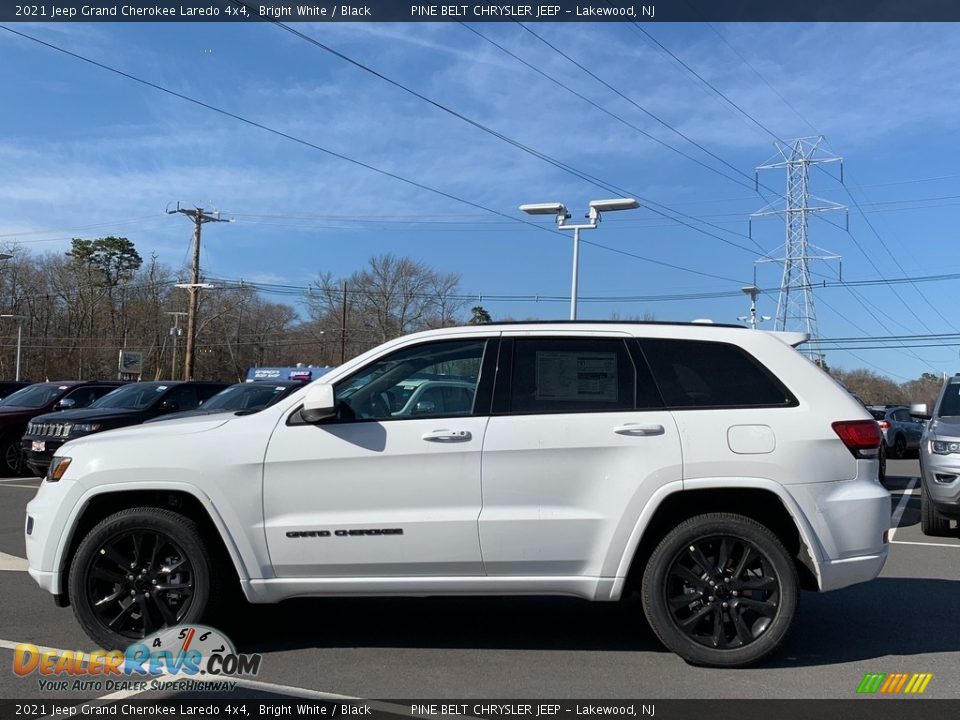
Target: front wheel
932, 523
11, 459
137, 571
720, 590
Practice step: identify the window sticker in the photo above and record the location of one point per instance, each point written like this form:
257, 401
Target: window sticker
160, 388
576, 376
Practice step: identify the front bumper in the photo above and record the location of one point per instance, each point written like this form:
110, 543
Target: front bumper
850, 520
941, 481
47, 515
39, 458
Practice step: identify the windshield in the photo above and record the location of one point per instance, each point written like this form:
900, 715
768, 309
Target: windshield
35, 396
252, 396
950, 404
131, 397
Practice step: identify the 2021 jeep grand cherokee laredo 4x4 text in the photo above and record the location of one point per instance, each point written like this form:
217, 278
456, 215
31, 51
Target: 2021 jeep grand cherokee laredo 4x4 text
714, 469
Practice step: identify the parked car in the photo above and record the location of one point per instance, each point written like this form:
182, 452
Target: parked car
940, 463
245, 397
127, 405
11, 386
18, 408
713, 468
431, 397
901, 430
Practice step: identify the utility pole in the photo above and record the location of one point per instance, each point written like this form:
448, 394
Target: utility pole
199, 217
343, 325
175, 332
795, 309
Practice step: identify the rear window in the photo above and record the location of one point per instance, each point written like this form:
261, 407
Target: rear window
699, 374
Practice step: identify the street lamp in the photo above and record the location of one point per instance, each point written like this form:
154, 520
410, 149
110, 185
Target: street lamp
19, 319
560, 211
752, 292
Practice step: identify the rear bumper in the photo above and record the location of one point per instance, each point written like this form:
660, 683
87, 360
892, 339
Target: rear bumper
850, 520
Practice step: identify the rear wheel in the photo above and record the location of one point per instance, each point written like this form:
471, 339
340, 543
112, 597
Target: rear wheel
899, 447
138, 571
882, 456
11, 459
720, 590
932, 523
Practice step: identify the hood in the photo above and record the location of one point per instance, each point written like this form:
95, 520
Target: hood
949, 426
190, 414
89, 415
188, 426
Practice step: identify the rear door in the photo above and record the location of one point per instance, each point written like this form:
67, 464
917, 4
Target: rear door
577, 444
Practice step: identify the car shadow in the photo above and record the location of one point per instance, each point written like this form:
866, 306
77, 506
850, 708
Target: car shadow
863, 622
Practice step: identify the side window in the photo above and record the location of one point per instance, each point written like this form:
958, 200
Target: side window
83, 396
99, 392
698, 374
569, 375
183, 397
438, 378
205, 392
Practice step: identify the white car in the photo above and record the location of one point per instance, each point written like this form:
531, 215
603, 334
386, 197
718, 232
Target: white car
712, 468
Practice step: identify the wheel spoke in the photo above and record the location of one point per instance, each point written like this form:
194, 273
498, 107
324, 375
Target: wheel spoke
148, 624
763, 607
112, 597
702, 612
156, 549
748, 555
169, 617
102, 573
679, 601
137, 539
760, 583
723, 554
719, 640
688, 575
113, 554
698, 557
120, 616
178, 586
743, 632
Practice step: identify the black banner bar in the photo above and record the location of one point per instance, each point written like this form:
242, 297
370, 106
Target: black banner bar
533, 11
269, 707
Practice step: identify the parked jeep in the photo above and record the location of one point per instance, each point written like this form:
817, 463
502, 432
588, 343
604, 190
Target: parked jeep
712, 468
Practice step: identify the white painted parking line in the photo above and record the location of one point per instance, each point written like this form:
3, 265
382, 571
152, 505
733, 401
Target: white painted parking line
29, 487
930, 544
12, 562
901, 506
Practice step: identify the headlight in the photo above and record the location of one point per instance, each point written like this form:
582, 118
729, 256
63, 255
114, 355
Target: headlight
944, 447
58, 466
86, 427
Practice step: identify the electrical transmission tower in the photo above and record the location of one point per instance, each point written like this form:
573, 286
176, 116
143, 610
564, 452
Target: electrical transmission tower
795, 308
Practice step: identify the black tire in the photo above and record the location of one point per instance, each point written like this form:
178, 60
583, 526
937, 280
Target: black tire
11, 457
932, 523
882, 456
168, 571
899, 447
732, 552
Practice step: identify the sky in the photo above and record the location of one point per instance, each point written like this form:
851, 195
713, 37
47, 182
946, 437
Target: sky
322, 164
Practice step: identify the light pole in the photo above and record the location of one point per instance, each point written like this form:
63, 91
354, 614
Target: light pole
752, 292
560, 210
193, 288
175, 332
19, 319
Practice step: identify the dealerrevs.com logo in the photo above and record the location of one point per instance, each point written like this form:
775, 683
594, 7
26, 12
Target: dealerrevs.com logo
185, 657
895, 683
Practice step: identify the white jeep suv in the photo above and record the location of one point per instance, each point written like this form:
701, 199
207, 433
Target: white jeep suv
714, 469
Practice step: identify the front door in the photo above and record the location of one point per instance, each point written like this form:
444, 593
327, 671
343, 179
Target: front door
388, 486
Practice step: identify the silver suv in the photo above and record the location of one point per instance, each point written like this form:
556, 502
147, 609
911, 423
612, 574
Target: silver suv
940, 463
901, 431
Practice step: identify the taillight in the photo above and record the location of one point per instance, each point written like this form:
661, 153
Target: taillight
859, 436
884, 424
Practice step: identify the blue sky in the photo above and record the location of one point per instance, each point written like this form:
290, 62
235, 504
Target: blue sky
86, 153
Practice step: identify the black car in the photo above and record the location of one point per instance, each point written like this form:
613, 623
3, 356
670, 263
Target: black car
19, 408
243, 398
128, 405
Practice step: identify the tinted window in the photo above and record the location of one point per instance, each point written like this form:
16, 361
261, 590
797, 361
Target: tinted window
137, 396
431, 379
34, 396
693, 374
950, 403
84, 396
564, 375
182, 398
249, 396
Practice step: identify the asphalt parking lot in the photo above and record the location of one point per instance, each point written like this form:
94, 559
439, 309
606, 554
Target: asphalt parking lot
905, 621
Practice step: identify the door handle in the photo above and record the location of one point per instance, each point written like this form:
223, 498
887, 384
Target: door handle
447, 436
638, 429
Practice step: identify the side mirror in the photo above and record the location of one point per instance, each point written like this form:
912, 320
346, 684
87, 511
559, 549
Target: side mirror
318, 404
65, 404
425, 407
918, 409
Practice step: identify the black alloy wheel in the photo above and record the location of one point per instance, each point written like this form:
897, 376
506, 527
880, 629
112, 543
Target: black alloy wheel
11, 457
720, 590
138, 571
899, 447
